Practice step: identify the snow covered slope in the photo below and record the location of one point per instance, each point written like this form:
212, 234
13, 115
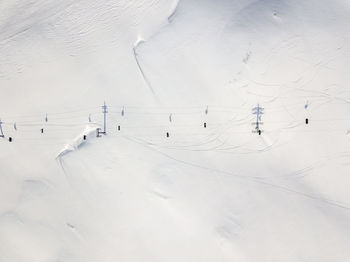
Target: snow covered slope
220, 193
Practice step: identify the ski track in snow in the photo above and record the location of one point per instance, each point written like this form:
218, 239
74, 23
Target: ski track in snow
259, 180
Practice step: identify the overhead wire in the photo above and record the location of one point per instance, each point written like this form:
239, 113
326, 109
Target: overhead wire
58, 119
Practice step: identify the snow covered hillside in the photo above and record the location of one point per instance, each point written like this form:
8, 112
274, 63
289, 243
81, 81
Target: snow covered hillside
180, 174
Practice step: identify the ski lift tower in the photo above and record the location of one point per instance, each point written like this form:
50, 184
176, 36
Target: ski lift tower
98, 130
1, 133
104, 108
258, 111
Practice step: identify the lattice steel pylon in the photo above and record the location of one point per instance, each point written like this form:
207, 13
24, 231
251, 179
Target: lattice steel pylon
258, 111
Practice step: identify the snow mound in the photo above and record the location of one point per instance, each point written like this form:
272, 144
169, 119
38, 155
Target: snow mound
89, 132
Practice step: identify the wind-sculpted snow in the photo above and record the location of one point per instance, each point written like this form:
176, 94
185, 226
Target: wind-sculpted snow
182, 174
88, 133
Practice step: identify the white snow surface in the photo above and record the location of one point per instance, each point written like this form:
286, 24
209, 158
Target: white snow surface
220, 193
